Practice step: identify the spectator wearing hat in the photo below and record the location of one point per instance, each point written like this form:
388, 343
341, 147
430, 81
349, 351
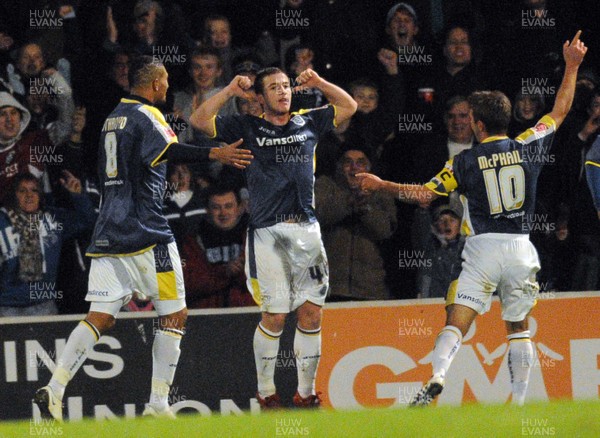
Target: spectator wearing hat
406, 58
437, 247
354, 225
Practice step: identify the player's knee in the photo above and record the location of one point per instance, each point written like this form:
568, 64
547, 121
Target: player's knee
273, 321
102, 321
310, 316
516, 327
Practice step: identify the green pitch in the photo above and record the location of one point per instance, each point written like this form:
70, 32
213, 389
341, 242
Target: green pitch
559, 419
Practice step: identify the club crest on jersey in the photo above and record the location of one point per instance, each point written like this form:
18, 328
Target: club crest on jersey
298, 120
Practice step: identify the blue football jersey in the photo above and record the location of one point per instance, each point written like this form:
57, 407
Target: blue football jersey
131, 175
592, 170
497, 180
280, 179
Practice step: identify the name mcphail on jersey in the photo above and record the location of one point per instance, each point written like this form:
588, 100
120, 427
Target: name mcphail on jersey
413, 123
502, 159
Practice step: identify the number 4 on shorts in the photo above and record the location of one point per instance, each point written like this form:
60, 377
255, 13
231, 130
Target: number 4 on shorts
315, 273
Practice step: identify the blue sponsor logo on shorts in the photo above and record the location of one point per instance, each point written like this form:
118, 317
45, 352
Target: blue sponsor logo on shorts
98, 293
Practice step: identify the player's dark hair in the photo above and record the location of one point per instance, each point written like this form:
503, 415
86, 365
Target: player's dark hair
223, 189
142, 70
492, 108
207, 51
259, 86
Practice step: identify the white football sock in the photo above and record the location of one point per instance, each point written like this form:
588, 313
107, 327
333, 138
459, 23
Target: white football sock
165, 355
80, 342
307, 349
520, 360
446, 346
266, 347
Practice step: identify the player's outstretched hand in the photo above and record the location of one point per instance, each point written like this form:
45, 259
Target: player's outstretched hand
239, 86
232, 156
308, 78
369, 183
574, 51
71, 182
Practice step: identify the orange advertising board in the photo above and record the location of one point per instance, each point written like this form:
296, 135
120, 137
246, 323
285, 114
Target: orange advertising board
379, 356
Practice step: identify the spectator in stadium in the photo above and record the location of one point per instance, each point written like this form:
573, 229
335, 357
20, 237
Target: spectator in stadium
168, 43
404, 55
184, 206
214, 254
73, 266
527, 109
330, 149
205, 69
439, 245
583, 219
20, 151
377, 114
29, 259
217, 35
297, 59
275, 41
32, 76
354, 224
461, 73
104, 94
438, 148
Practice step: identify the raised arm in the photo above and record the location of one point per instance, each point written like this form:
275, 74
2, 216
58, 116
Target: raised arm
573, 54
409, 193
202, 118
343, 102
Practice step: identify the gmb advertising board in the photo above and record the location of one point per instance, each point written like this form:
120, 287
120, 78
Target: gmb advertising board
375, 354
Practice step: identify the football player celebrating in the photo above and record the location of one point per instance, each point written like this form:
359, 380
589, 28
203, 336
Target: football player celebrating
497, 185
132, 248
286, 265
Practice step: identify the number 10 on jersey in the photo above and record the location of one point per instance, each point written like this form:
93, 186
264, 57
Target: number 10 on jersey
506, 191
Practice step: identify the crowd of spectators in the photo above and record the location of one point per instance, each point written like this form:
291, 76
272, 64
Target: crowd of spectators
410, 66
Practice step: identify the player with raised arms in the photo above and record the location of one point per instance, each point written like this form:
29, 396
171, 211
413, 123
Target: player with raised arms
497, 184
286, 265
132, 248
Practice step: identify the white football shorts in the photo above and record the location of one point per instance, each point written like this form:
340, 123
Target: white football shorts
155, 273
286, 266
503, 262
